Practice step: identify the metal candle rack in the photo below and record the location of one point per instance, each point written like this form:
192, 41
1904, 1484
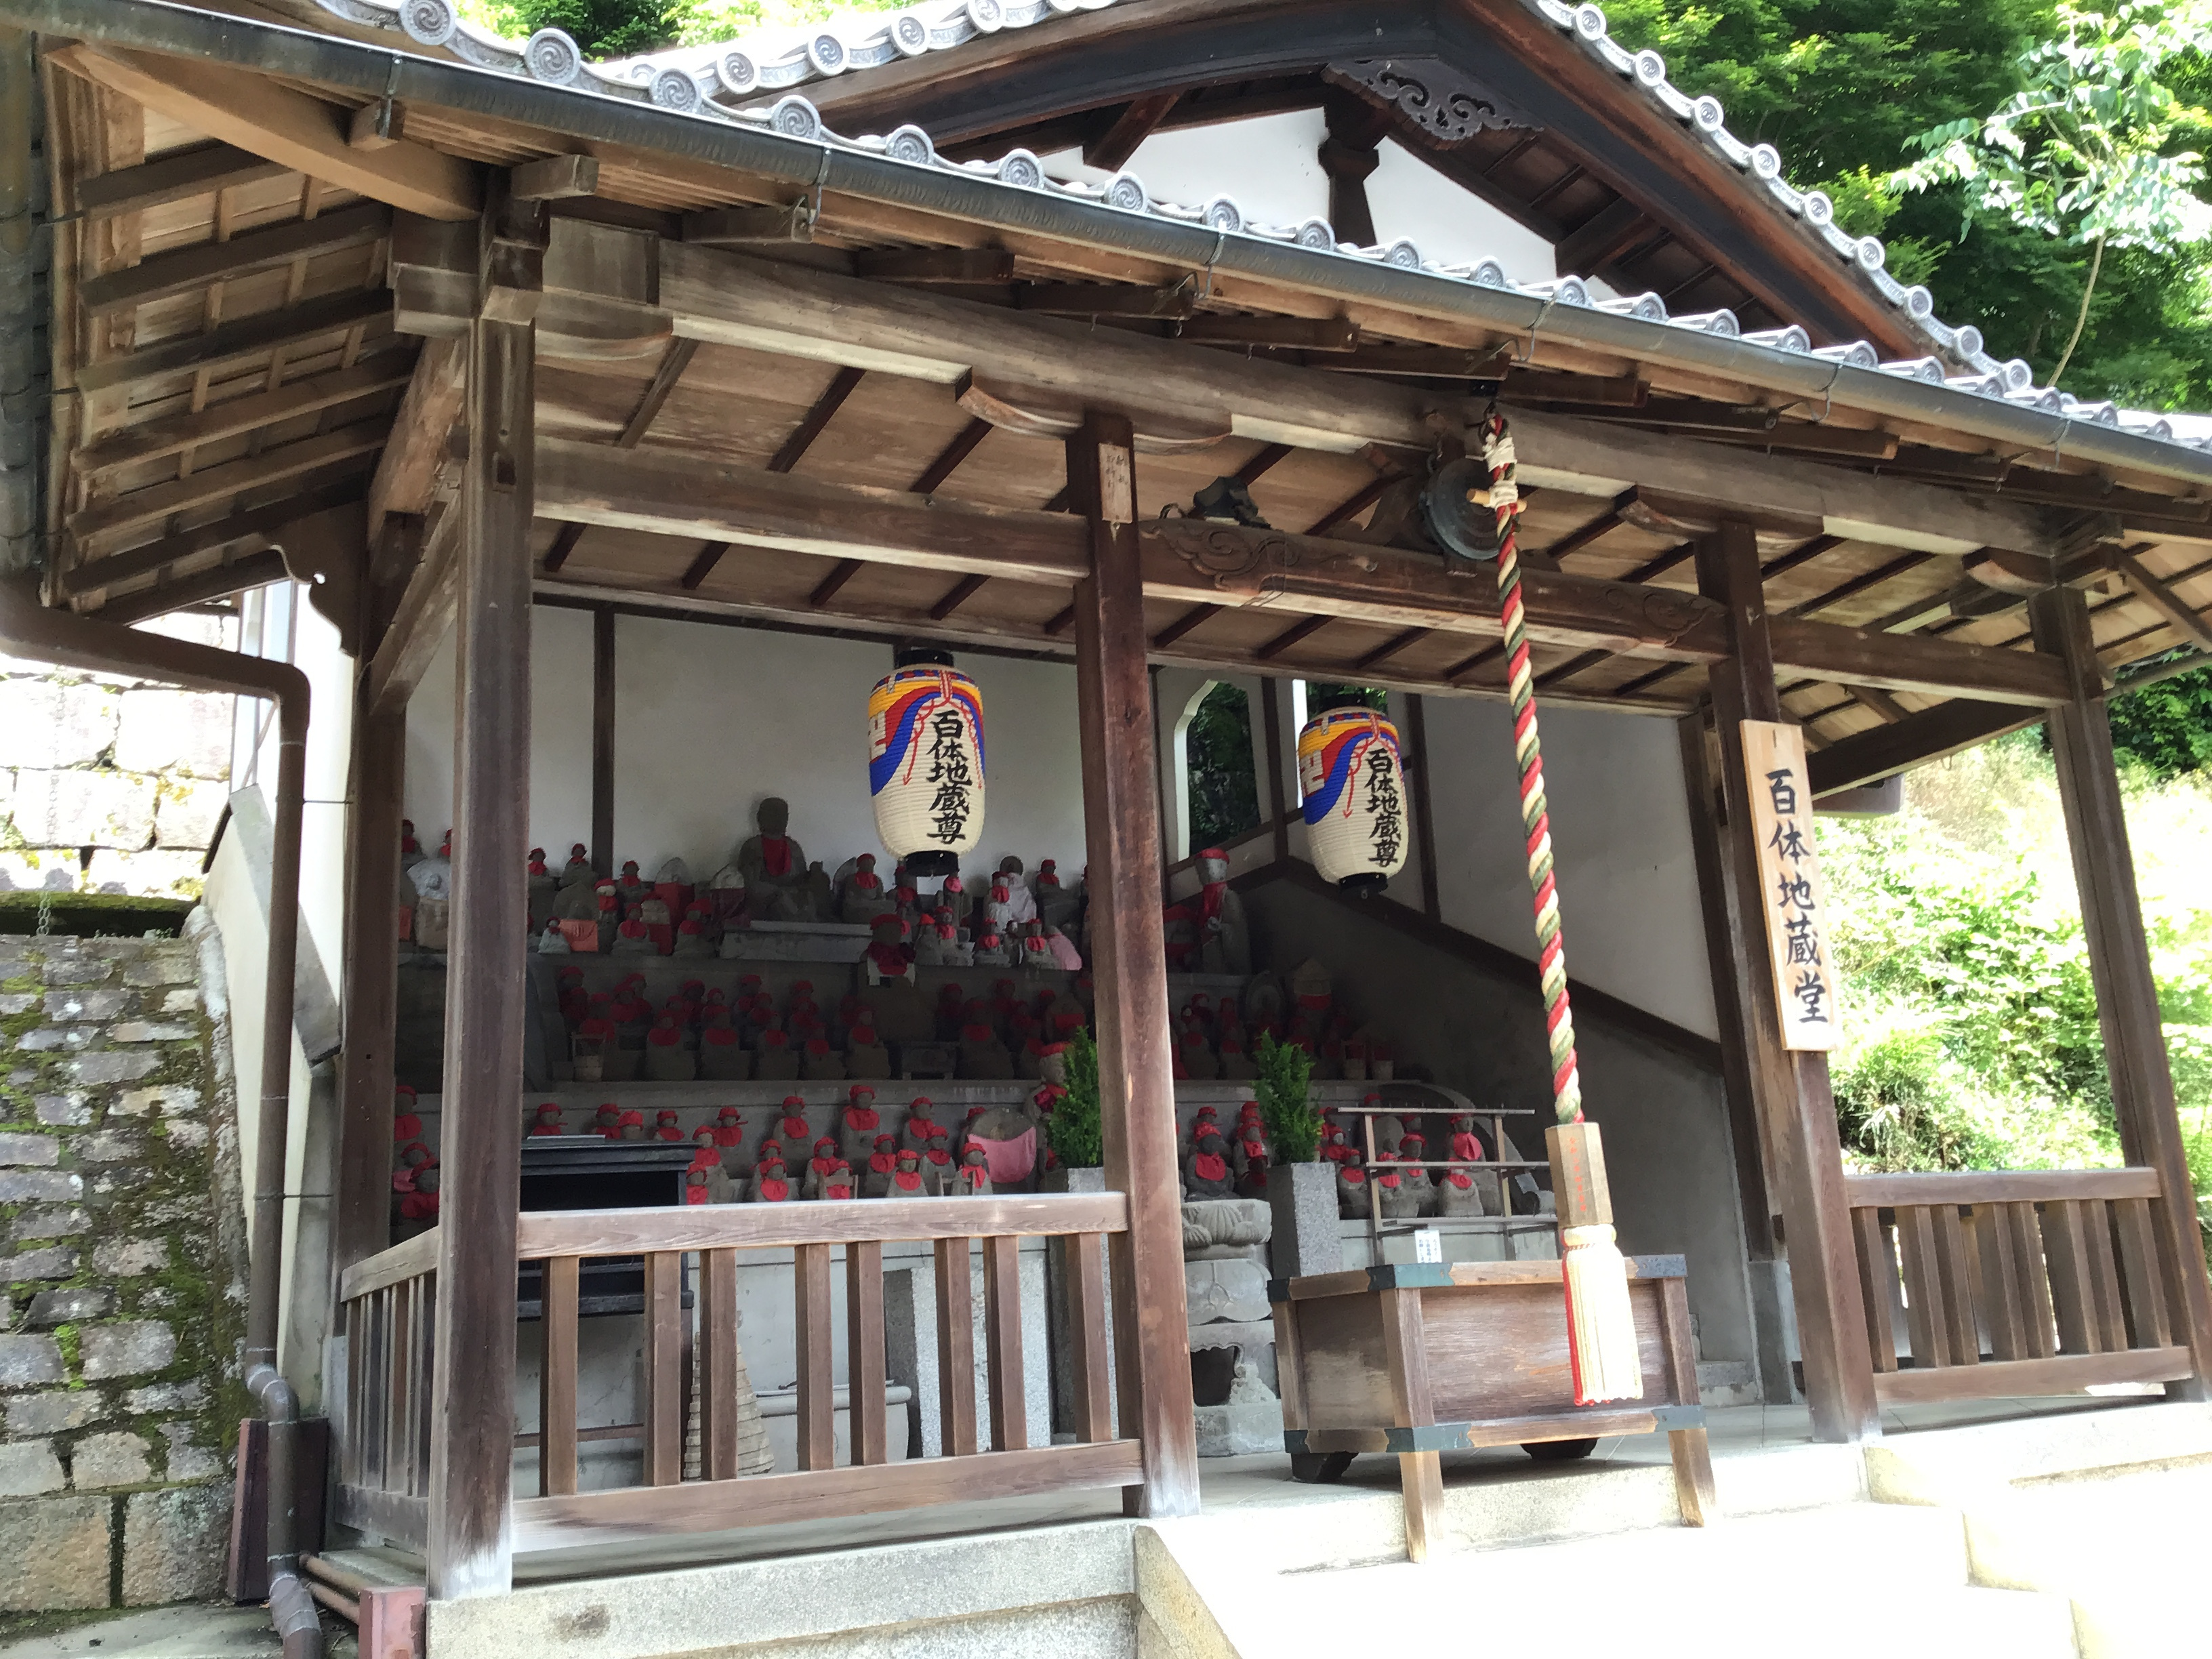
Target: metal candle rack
1496, 1114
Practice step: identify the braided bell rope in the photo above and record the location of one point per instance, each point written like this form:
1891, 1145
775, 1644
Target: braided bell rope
1529, 751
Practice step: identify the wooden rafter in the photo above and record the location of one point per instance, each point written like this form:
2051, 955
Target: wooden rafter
269, 119
106, 526
175, 178
289, 330
172, 435
673, 362
1305, 628
2161, 598
1129, 127
188, 270
1194, 617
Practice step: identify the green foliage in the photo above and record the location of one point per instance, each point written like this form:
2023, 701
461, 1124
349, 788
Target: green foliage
1324, 694
1073, 1128
622, 28
1970, 1038
2166, 728
1225, 795
1840, 86
1293, 1124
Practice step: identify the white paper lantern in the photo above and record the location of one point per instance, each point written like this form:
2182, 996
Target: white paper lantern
1354, 787
926, 762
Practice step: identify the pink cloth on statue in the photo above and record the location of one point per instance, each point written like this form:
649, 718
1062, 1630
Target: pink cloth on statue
1008, 1160
1063, 952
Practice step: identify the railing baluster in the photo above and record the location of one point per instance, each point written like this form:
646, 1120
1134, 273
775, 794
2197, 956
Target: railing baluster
356, 1325
2002, 1274
956, 1347
556, 1380
1002, 1337
2041, 1330
379, 1403
2147, 1309
818, 1398
1877, 1285
418, 1388
1923, 1294
864, 1351
718, 1332
426, 1370
1088, 1338
2105, 1304
664, 1368
2066, 1250
1955, 1269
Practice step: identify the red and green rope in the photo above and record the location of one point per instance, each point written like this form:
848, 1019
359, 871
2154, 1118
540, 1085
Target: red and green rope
1529, 751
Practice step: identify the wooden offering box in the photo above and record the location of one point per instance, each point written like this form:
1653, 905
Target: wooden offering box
1423, 1359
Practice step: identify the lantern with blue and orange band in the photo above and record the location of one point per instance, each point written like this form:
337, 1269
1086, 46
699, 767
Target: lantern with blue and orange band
1354, 786
926, 761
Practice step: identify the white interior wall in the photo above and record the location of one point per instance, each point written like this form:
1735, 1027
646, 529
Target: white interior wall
1270, 167
709, 719
1621, 838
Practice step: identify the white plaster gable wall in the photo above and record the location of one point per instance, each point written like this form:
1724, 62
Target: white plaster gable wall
708, 720
1270, 167
1620, 837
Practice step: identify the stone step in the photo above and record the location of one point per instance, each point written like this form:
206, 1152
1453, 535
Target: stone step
1844, 1580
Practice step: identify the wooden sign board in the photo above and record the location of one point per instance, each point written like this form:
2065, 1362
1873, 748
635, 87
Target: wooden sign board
1792, 894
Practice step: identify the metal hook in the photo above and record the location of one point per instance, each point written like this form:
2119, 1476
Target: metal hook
1220, 241
1550, 300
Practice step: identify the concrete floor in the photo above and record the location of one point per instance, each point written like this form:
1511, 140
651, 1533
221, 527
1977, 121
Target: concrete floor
193, 1630
1765, 1457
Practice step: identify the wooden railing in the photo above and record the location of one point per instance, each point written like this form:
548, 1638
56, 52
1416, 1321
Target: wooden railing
2014, 1282
388, 1301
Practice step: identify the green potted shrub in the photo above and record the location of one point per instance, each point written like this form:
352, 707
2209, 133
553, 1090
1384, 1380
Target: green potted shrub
1073, 1131
1300, 1188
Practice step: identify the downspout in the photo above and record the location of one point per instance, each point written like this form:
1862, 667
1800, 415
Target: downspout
30, 629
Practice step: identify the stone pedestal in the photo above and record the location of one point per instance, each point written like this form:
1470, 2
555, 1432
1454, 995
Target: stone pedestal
1303, 1199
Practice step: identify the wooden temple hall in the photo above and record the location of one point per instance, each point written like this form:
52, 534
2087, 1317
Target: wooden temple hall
620, 426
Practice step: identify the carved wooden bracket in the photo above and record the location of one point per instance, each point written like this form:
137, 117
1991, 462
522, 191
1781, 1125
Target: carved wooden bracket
1055, 412
1445, 103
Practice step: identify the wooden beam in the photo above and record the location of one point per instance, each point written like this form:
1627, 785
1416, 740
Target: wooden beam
704, 566
1111, 150
1129, 963
1269, 457
272, 120
268, 523
1883, 751
1795, 1104
977, 267
555, 178
469, 1550
174, 178
1060, 623
1305, 628
673, 362
419, 624
1194, 617
1883, 707
670, 493
804, 435
960, 593
291, 329
833, 584
1276, 333
377, 125
1174, 300
673, 493
2162, 598
2128, 1012
1590, 529
105, 525
407, 472
1354, 505
1603, 237
749, 227
933, 477
172, 435
240, 576
603, 739
1390, 647
563, 545
189, 270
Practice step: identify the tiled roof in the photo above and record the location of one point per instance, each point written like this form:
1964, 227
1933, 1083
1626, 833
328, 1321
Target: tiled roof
734, 80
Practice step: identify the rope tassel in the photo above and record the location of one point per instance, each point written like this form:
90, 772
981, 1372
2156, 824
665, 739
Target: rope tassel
1601, 1326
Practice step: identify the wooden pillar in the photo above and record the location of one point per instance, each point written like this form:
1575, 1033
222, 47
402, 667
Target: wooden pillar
1279, 798
371, 990
1424, 822
603, 739
2120, 958
1749, 1090
1121, 810
1792, 1090
471, 1521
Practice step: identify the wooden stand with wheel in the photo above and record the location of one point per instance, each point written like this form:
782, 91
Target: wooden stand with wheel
1419, 1360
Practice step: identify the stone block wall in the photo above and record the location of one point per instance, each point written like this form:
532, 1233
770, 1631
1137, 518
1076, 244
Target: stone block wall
110, 784
122, 1277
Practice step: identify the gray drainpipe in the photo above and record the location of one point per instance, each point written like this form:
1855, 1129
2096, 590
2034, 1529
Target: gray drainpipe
30, 629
